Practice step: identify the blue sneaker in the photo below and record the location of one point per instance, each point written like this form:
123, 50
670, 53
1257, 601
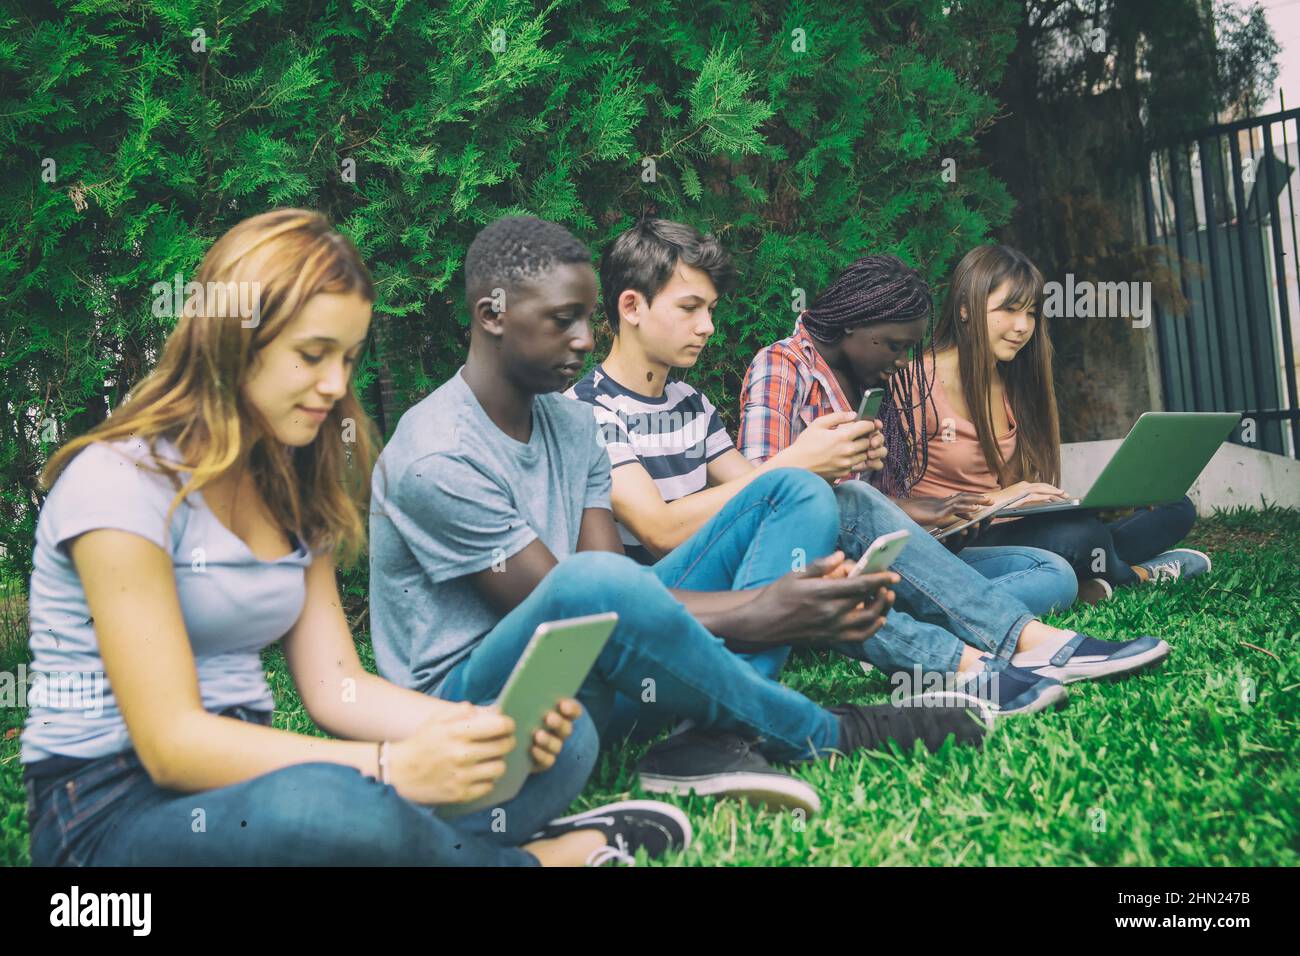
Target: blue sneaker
1086, 658
1009, 690
1178, 564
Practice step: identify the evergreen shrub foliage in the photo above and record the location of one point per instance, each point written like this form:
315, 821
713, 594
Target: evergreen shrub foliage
804, 133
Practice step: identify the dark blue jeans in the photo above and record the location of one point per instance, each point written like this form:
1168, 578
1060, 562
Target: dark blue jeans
662, 665
108, 812
1094, 548
787, 518
659, 656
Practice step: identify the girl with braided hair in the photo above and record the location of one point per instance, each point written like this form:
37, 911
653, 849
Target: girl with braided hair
861, 332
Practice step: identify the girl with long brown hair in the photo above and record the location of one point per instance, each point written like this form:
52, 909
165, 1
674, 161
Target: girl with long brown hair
994, 430
199, 524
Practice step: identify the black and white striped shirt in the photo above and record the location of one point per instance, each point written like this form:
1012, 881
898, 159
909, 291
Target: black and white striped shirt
674, 436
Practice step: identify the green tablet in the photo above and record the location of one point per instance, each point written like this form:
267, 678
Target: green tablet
553, 666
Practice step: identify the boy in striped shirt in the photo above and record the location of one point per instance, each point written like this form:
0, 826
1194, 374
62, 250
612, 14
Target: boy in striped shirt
686, 500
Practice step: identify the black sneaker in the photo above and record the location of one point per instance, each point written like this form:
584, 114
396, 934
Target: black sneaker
628, 826
873, 727
715, 763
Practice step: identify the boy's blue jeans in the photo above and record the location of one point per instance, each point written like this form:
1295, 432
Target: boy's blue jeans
943, 604
667, 667
659, 656
108, 812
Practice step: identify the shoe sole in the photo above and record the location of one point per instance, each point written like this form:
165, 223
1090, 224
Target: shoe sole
1105, 669
653, 806
1053, 698
774, 791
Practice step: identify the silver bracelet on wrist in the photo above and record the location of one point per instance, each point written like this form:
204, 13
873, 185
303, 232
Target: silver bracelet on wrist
383, 762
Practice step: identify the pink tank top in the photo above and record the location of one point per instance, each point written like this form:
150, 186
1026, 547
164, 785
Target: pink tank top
956, 461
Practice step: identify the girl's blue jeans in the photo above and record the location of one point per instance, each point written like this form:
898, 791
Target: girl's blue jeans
1097, 549
108, 812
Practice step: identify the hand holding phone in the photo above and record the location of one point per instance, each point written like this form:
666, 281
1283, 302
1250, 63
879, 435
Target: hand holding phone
881, 553
817, 605
831, 446
869, 408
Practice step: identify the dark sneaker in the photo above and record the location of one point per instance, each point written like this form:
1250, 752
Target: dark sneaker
628, 826
1178, 564
720, 764
1086, 658
1010, 690
944, 714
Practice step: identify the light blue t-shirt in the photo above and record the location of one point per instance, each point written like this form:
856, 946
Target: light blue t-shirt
233, 603
451, 495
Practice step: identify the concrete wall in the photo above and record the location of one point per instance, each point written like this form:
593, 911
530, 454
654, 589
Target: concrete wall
1236, 475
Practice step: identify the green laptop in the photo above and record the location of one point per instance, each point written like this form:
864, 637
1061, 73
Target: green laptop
1156, 464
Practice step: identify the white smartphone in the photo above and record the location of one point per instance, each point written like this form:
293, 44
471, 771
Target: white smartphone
881, 554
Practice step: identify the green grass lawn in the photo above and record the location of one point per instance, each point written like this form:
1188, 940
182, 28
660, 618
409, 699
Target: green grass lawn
1191, 764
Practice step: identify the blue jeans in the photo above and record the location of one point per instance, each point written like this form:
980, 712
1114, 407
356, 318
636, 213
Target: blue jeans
108, 812
785, 519
1040, 580
659, 655
1095, 549
943, 604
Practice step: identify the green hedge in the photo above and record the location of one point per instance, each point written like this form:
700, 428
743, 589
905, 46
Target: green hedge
805, 133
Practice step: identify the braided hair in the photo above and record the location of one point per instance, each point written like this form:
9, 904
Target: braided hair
884, 289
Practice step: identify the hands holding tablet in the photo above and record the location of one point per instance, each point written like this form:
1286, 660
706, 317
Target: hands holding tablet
941, 512
459, 754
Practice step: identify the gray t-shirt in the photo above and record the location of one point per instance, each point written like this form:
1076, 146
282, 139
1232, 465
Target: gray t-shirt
233, 604
453, 495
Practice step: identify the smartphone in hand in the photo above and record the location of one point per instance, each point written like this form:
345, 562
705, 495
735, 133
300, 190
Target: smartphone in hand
870, 406
881, 553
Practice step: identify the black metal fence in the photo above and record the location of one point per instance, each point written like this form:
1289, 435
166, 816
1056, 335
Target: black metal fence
1223, 204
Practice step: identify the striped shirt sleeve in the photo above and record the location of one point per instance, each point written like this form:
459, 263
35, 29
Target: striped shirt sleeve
769, 400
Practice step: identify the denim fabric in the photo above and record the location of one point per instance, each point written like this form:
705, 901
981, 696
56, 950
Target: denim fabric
787, 518
1040, 580
942, 603
108, 812
658, 655
1096, 549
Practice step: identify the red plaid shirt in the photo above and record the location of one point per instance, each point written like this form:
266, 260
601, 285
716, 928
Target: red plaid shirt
788, 386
